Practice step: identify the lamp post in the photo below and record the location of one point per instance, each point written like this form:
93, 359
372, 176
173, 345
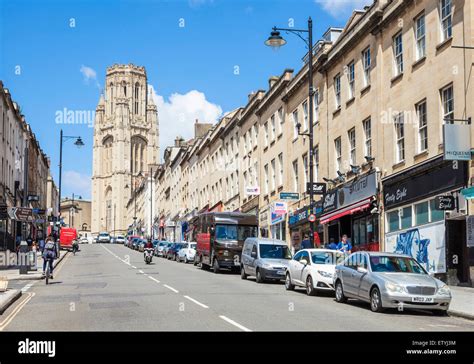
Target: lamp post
135, 202
151, 203
275, 41
78, 143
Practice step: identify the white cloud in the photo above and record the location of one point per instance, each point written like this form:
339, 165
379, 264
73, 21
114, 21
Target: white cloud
77, 183
89, 74
177, 115
342, 8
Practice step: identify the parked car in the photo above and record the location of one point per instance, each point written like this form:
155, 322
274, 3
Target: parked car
159, 248
104, 237
141, 245
313, 269
266, 259
130, 240
135, 242
84, 240
120, 239
166, 248
173, 251
389, 280
187, 252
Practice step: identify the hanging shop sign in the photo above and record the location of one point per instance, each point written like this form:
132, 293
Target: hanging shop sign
289, 196
278, 211
318, 188
252, 191
457, 142
445, 203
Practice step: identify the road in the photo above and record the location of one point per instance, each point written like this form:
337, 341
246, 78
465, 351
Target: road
109, 287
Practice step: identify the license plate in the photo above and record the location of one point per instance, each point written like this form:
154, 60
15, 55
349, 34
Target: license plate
281, 272
422, 299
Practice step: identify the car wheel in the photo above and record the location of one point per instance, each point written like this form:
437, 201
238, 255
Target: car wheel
243, 275
215, 266
259, 278
310, 291
186, 261
288, 285
195, 261
340, 293
375, 300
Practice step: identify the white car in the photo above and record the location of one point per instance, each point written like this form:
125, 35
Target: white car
313, 269
84, 240
104, 238
187, 252
119, 239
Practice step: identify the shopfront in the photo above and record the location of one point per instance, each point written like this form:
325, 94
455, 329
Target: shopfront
278, 214
352, 210
425, 217
300, 226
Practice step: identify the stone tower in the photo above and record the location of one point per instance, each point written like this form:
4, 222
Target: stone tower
125, 144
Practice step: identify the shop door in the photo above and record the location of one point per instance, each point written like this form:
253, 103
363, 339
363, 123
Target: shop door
457, 251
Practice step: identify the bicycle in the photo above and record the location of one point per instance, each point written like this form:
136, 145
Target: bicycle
47, 271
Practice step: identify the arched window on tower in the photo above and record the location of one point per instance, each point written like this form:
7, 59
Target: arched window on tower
137, 93
124, 87
138, 149
111, 97
107, 158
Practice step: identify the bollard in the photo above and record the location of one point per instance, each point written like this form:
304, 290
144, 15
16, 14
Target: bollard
23, 257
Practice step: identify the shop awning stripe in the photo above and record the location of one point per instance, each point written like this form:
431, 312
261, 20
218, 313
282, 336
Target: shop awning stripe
349, 210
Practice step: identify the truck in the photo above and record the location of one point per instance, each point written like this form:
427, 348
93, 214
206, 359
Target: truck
220, 237
66, 237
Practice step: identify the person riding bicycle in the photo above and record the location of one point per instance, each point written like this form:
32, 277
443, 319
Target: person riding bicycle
75, 245
50, 253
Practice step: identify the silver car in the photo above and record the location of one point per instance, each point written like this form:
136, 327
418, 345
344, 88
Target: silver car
388, 280
266, 259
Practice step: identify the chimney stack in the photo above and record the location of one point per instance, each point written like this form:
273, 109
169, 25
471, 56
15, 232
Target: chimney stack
271, 81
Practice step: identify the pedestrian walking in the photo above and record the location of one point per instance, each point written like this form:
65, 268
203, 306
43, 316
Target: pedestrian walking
306, 243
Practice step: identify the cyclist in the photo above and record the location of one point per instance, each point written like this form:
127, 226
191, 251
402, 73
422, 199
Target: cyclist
50, 253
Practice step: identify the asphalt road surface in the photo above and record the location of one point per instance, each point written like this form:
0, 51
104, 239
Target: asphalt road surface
110, 288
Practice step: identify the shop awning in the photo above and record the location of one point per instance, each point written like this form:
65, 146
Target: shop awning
349, 210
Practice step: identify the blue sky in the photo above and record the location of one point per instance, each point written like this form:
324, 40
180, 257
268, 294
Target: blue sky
53, 55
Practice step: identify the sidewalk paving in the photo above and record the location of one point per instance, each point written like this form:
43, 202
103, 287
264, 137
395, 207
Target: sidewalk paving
462, 303
13, 274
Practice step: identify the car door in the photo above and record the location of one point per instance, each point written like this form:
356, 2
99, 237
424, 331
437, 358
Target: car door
364, 278
294, 264
253, 260
303, 268
348, 275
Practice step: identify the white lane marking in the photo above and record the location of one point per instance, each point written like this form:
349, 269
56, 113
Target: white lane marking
27, 287
17, 310
236, 324
196, 302
154, 279
171, 288
133, 267
142, 272
441, 325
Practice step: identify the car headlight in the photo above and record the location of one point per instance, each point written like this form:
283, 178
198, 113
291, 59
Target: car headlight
444, 290
325, 274
266, 266
394, 287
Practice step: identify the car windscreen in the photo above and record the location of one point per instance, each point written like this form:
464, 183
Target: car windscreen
395, 264
192, 246
235, 232
270, 251
333, 258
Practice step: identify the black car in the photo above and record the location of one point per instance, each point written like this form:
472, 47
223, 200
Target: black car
173, 251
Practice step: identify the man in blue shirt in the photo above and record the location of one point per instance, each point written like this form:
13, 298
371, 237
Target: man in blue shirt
344, 245
332, 245
306, 243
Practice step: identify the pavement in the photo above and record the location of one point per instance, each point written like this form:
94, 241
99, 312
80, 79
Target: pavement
462, 303
108, 287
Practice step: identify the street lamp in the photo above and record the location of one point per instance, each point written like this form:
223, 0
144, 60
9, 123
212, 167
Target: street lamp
275, 40
139, 175
78, 143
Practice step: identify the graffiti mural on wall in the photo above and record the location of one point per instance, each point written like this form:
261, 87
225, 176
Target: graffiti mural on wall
425, 243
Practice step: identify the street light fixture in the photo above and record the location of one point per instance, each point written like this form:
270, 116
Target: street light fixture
275, 41
78, 143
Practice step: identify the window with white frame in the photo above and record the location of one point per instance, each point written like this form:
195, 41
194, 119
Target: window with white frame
368, 137
316, 163
447, 103
316, 106
399, 137
398, 54
305, 115
305, 167
265, 130
422, 126
295, 176
351, 134
351, 79
273, 180
338, 153
366, 63
446, 18
295, 123
265, 171
281, 120
273, 128
280, 166
337, 90
255, 134
420, 36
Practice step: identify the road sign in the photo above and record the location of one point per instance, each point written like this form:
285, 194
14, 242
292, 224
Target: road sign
20, 213
39, 211
312, 218
3, 212
318, 188
289, 196
33, 198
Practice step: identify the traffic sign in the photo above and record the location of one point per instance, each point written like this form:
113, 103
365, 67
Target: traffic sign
20, 213
289, 196
318, 188
39, 211
312, 218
